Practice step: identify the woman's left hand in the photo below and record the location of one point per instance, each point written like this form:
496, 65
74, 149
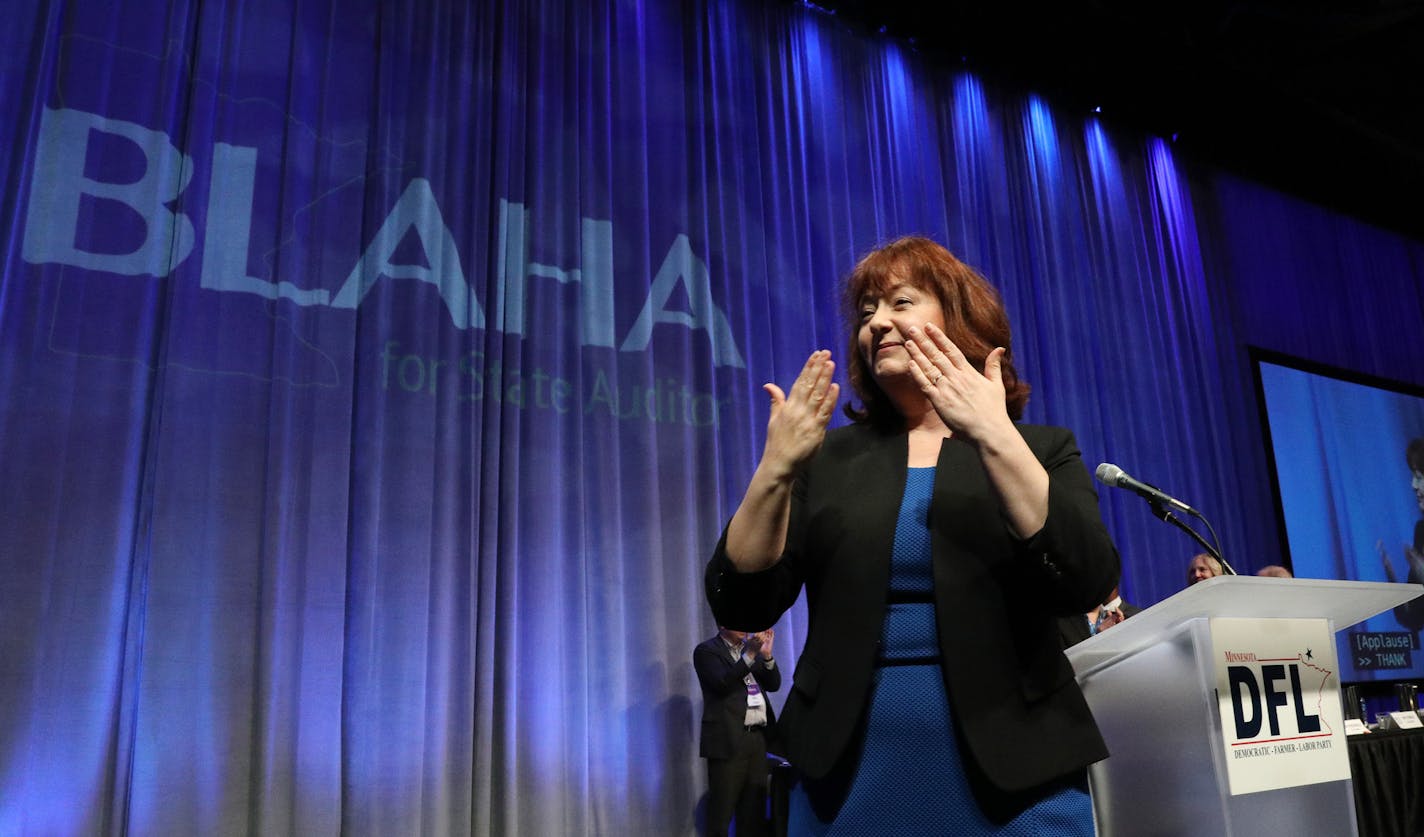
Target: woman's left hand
970, 404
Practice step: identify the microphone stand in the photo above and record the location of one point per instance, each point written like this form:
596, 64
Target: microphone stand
1160, 510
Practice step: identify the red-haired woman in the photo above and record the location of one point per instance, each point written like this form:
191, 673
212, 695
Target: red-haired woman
937, 541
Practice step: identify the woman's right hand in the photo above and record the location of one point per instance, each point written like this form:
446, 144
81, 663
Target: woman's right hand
798, 419
756, 535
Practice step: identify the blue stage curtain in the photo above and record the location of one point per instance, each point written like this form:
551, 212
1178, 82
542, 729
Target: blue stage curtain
375, 378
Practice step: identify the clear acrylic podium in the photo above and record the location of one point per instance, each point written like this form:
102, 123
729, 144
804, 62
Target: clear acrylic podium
1151, 683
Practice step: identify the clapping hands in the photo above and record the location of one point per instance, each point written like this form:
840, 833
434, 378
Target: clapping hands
1108, 618
764, 643
759, 644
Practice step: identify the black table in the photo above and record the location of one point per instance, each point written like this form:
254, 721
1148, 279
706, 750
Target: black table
1388, 772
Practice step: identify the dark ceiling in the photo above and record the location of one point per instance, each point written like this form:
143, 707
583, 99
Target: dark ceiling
1321, 99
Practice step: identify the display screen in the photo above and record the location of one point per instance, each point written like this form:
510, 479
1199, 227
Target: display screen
1346, 451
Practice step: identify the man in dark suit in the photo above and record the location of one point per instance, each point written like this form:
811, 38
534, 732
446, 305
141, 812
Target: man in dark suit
736, 671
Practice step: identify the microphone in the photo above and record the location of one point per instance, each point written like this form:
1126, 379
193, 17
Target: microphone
1111, 475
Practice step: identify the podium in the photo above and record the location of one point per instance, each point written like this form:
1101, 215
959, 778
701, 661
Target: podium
1155, 685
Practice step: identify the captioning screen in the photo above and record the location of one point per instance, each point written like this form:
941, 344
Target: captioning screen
1348, 457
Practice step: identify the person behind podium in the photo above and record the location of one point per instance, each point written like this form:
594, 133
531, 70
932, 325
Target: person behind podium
1076, 628
937, 541
1202, 567
1411, 613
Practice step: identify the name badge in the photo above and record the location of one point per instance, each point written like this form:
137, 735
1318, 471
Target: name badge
755, 700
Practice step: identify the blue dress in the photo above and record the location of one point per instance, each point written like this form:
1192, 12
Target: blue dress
909, 779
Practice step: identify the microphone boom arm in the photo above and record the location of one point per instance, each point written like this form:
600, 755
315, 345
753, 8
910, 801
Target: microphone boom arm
1160, 510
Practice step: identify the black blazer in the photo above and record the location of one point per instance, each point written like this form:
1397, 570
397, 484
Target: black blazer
724, 695
997, 598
